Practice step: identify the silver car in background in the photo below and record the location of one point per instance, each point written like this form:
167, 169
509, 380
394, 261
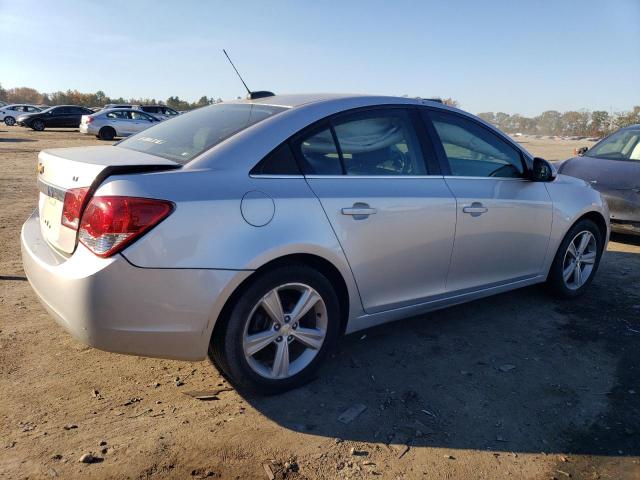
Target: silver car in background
259, 231
119, 122
9, 113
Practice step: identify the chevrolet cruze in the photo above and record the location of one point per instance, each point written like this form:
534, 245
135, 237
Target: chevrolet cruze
259, 231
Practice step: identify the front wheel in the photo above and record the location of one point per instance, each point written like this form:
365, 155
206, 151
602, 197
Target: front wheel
577, 260
38, 125
278, 330
9, 121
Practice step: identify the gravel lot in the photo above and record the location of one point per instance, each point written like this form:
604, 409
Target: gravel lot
518, 385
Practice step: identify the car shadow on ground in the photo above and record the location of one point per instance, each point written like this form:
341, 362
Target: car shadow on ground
518, 372
16, 140
625, 238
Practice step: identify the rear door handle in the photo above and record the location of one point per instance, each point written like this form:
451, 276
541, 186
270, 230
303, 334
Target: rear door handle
359, 211
475, 209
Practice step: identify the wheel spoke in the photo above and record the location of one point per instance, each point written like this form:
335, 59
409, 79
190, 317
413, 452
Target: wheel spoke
589, 258
273, 306
305, 303
572, 250
584, 241
577, 276
566, 274
256, 342
281, 361
310, 337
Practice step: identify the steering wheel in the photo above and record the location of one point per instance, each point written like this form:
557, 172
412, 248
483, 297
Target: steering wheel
505, 168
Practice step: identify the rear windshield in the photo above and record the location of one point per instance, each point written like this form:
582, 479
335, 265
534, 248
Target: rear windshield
186, 136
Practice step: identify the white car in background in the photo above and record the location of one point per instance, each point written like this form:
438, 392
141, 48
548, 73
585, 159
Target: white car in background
117, 122
9, 113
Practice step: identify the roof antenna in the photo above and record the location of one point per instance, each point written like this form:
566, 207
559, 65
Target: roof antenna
250, 95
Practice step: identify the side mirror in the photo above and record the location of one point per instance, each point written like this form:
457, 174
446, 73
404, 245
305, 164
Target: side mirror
543, 171
580, 151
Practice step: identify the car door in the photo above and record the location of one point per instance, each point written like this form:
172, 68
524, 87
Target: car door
503, 219
140, 121
394, 217
55, 118
74, 117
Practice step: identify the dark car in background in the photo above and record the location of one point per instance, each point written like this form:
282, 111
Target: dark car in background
612, 166
61, 116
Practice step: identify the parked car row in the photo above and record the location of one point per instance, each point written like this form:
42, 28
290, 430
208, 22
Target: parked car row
131, 119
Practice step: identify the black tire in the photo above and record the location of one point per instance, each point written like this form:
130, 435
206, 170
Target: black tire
555, 280
38, 125
9, 121
107, 133
226, 345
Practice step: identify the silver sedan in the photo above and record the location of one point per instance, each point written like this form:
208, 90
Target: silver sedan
259, 231
117, 122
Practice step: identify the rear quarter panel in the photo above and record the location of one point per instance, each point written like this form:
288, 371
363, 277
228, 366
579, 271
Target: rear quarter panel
208, 230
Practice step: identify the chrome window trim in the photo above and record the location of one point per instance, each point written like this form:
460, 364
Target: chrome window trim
466, 177
373, 176
266, 175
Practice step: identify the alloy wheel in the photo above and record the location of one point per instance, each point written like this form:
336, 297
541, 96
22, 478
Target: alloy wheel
285, 331
579, 260
9, 121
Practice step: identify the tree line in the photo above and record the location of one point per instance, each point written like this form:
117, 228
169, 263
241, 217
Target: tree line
97, 99
583, 123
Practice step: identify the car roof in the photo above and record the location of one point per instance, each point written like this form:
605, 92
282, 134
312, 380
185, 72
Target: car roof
298, 100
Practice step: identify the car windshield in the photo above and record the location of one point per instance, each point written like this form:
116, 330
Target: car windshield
622, 145
186, 136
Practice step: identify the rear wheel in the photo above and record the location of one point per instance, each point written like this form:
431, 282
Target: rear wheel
278, 331
577, 260
9, 121
38, 125
107, 133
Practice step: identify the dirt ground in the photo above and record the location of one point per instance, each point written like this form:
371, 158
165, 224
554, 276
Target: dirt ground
515, 386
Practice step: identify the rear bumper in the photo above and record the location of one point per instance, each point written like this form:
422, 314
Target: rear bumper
112, 305
88, 129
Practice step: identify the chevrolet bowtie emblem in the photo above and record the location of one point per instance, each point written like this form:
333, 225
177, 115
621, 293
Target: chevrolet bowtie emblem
40, 168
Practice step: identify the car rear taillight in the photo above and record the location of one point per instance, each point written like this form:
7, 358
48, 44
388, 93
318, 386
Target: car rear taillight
89, 119
111, 223
73, 200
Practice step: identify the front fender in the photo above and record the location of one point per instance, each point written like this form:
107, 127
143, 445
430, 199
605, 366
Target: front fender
572, 199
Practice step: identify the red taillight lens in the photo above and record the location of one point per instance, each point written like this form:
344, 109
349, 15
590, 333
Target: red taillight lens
72, 207
89, 119
110, 223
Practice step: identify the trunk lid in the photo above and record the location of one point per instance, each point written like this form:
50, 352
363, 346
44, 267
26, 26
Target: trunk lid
63, 169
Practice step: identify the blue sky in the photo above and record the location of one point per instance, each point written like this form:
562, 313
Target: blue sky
522, 56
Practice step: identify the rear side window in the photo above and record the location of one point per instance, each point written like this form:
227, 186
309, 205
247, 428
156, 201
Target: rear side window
320, 154
186, 136
279, 162
474, 151
380, 143
121, 115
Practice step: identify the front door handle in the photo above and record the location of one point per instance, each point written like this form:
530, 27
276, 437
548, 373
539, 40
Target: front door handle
475, 209
359, 211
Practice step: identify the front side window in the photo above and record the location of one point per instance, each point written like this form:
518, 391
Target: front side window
622, 145
474, 151
140, 116
187, 136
